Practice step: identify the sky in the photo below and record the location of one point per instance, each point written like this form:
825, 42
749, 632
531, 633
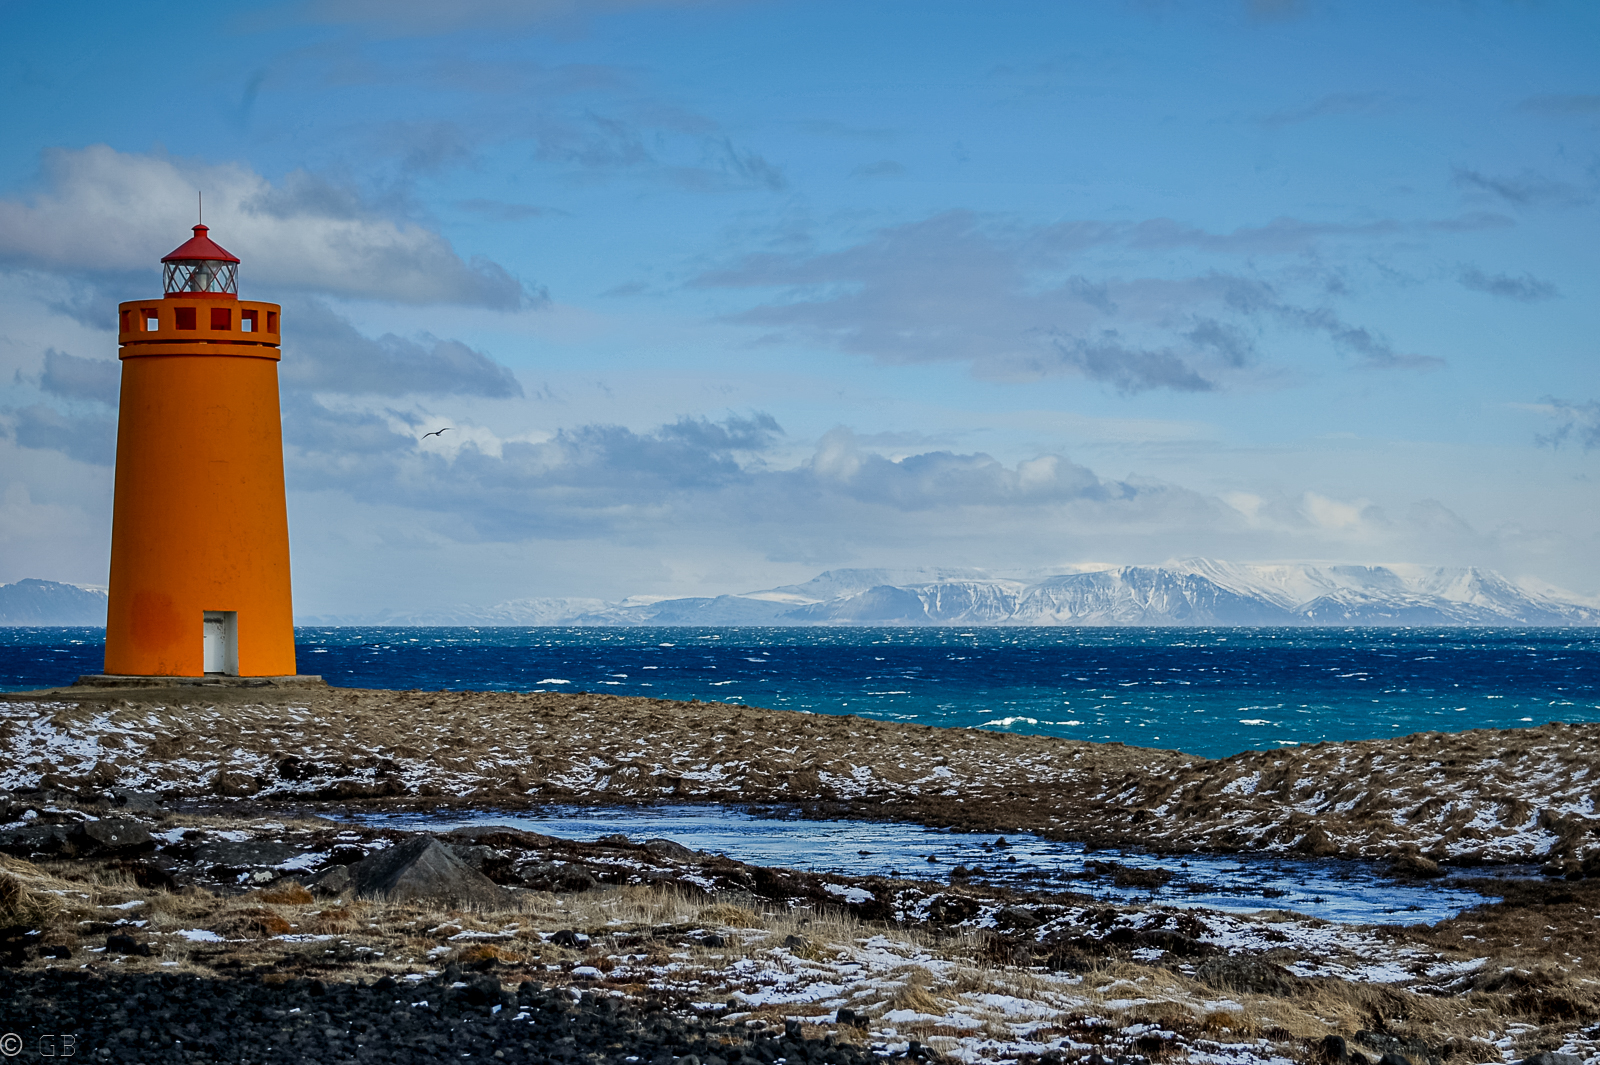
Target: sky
715, 296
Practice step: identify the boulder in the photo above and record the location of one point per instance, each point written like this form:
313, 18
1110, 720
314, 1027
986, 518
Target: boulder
555, 876
422, 868
670, 850
141, 802
106, 837
1018, 918
1552, 1057
246, 854
111, 835
330, 882
119, 943
1250, 975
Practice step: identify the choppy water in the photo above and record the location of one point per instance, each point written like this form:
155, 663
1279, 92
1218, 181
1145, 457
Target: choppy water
1205, 691
1333, 890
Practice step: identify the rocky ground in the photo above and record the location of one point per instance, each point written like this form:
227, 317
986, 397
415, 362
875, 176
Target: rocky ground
1527, 795
182, 886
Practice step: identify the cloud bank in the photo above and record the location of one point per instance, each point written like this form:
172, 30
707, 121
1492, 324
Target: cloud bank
100, 211
1010, 301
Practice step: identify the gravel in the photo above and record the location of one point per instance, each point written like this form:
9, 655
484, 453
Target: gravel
178, 1017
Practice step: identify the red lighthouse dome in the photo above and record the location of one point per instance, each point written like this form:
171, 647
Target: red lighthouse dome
200, 266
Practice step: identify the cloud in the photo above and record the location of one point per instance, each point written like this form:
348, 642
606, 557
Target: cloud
944, 479
1345, 103
1005, 298
328, 354
610, 480
1526, 289
583, 480
71, 377
1575, 421
1573, 104
1527, 189
102, 211
88, 437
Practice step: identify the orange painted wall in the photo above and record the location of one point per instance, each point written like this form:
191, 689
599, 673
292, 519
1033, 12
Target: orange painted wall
199, 520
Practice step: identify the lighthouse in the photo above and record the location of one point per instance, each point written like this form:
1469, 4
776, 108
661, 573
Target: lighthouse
199, 528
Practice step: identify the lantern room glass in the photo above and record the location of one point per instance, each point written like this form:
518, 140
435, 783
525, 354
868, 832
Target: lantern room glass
201, 275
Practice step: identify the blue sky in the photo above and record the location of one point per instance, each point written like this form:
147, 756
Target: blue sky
718, 295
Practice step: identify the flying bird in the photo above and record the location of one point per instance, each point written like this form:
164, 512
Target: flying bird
436, 432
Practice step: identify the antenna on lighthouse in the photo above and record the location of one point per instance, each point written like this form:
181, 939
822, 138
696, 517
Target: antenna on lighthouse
200, 201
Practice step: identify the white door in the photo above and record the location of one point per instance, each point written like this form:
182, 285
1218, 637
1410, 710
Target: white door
221, 646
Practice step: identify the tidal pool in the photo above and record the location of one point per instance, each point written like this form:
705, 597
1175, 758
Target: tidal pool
1335, 890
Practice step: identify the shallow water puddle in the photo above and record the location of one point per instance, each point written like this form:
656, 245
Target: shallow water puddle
1345, 891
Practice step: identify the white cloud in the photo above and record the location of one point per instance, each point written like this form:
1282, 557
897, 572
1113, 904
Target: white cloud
100, 210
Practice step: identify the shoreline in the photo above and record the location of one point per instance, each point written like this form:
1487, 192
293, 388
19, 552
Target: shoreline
1474, 798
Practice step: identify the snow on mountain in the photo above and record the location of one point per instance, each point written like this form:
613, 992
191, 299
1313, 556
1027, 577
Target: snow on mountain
36, 602
1190, 591
1181, 592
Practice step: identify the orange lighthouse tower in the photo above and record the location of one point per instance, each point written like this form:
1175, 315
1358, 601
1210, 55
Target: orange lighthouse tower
199, 530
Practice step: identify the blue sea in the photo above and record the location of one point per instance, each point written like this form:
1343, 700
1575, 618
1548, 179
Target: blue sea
1206, 691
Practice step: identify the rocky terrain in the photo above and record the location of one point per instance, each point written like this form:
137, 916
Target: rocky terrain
176, 858
136, 930
1524, 796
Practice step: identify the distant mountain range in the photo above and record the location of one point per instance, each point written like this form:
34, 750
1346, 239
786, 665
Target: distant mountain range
35, 602
1192, 592
1189, 592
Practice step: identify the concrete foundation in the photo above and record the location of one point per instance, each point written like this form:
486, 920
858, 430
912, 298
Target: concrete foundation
110, 680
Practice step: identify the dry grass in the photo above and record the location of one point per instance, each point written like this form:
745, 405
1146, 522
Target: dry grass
631, 929
29, 896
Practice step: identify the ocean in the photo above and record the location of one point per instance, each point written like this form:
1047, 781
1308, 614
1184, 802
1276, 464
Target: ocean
1210, 692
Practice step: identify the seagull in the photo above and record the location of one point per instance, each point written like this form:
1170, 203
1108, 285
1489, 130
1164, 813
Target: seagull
446, 429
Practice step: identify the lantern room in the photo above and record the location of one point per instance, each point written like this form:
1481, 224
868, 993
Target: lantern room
200, 267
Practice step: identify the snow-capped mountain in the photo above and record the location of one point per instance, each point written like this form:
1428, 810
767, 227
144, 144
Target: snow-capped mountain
1183, 592
36, 602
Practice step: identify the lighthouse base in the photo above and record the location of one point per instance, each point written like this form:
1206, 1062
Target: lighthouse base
215, 680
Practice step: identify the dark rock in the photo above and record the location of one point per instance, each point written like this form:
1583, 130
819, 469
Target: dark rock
1392, 1046
246, 854
110, 835
422, 868
1552, 1057
671, 851
147, 875
138, 802
119, 943
1392, 1058
330, 882
1249, 975
850, 1018
1335, 1051
555, 876
1015, 917
37, 840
